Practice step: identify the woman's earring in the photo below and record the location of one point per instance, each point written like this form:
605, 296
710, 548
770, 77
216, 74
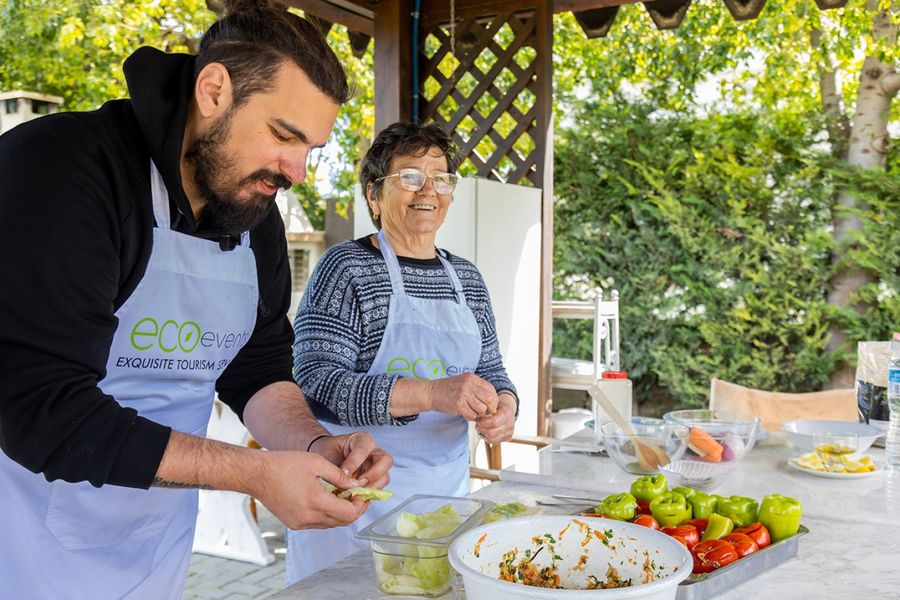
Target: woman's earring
376, 216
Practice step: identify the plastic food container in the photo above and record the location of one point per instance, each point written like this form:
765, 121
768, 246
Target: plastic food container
408, 564
576, 549
720, 436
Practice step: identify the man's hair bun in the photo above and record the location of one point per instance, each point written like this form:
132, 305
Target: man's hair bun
237, 6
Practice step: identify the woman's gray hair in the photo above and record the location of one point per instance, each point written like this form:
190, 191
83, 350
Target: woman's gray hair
402, 139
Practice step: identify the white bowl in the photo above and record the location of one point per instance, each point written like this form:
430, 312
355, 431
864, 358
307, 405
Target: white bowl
478, 554
801, 432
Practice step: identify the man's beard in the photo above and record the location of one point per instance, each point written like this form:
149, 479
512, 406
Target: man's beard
225, 206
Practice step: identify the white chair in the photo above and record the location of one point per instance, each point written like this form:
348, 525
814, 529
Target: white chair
226, 525
565, 373
573, 374
774, 408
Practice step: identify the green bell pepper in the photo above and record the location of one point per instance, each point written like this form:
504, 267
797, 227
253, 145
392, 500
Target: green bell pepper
670, 509
621, 507
687, 492
780, 515
649, 487
717, 527
740, 509
703, 504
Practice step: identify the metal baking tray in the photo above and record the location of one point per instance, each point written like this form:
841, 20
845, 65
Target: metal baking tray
708, 585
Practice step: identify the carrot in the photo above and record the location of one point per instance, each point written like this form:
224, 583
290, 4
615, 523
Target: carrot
705, 446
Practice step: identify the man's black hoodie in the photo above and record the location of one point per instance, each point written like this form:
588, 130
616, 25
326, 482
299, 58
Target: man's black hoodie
76, 230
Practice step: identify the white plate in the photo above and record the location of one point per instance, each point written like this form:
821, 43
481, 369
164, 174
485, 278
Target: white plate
792, 462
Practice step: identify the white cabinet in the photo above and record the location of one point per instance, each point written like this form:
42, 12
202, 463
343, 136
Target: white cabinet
498, 227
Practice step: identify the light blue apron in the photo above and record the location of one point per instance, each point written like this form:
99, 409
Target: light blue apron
192, 311
425, 339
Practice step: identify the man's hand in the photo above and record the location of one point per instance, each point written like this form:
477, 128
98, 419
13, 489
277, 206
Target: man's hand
288, 485
467, 395
286, 481
358, 456
499, 426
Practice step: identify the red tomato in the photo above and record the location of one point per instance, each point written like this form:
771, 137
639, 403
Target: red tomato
700, 524
687, 532
643, 507
757, 532
680, 540
713, 554
742, 543
646, 521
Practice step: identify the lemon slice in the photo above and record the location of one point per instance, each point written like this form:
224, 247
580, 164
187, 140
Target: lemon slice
810, 461
867, 461
855, 466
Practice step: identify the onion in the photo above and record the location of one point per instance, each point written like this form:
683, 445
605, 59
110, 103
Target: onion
733, 446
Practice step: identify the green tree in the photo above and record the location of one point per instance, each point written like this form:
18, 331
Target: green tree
76, 49
789, 63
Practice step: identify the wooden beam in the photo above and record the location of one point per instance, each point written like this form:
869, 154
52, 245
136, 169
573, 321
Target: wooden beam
355, 18
597, 22
668, 14
543, 137
582, 5
393, 63
438, 11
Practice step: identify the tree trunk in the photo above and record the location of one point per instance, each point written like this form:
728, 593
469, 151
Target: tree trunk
867, 148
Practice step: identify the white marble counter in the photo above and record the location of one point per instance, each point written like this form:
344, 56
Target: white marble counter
852, 550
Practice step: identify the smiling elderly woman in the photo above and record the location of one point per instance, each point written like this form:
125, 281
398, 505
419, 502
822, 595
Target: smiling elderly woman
397, 338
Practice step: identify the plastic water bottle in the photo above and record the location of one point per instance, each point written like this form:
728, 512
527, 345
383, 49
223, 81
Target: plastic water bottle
617, 388
892, 441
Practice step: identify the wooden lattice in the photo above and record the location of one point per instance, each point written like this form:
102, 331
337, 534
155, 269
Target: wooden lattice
485, 93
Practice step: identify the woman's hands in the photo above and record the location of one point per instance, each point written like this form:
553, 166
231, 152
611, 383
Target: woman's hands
499, 426
467, 395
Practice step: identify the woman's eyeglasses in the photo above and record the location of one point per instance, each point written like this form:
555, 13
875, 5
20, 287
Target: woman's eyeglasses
413, 180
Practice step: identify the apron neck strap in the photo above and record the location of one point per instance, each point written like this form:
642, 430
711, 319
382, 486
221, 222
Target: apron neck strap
454, 279
393, 267
160, 196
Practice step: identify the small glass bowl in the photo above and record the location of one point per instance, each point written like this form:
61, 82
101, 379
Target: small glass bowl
734, 432
670, 437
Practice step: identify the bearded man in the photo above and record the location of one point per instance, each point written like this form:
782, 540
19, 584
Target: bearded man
145, 270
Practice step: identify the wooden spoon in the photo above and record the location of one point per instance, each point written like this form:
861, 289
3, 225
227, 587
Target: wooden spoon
649, 455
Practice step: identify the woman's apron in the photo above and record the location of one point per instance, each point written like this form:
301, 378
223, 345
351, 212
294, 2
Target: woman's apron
425, 339
189, 316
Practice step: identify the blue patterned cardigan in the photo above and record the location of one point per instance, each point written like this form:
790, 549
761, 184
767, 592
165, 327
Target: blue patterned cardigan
340, 323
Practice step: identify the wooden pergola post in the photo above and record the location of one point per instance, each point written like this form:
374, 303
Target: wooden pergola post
544, 140
393, 62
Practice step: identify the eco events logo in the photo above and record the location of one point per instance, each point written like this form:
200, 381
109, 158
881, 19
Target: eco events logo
170, 335
423, 368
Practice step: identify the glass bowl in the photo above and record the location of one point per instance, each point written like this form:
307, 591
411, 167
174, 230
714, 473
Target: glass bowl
695, 474
717, 435
670, 437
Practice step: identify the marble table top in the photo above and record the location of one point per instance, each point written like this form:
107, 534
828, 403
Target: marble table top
852, 549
